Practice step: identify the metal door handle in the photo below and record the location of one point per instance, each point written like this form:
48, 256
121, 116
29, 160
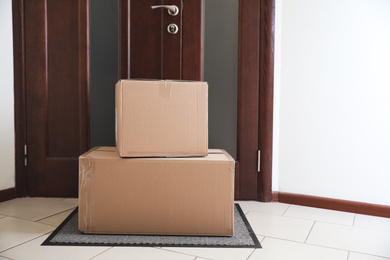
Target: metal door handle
172, 9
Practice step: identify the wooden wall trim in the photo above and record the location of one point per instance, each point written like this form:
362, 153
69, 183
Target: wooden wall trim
7, 194
275, 196
19, 96
335, 204
266, 92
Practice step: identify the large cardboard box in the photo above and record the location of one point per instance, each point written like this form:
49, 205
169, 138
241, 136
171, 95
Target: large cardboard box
159, 196
161, 118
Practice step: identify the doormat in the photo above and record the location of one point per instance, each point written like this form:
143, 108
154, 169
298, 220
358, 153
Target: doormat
67, 234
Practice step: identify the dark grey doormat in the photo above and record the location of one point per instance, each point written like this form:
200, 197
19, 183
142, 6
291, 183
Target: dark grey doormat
67, 234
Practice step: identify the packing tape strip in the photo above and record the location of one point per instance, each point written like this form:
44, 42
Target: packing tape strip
85, 175
165, 89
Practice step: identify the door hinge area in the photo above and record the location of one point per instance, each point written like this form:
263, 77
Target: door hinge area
25, 155
258, 160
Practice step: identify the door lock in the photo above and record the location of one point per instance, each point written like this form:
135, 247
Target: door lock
172, 9
172, 28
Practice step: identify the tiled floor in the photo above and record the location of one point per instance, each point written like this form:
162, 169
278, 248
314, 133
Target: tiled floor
285, 231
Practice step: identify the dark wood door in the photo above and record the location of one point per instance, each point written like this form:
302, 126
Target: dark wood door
148, 50
56, 45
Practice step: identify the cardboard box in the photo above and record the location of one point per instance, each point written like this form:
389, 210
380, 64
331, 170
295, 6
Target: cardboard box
161, 118
159, 196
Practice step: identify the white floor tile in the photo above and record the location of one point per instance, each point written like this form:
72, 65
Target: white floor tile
16, 231
368, 241
141, 253
262, 207
279, 226
35, 208
358, 256
33, 250
277, 249
372, 222
214, 253
323, 215
57, 219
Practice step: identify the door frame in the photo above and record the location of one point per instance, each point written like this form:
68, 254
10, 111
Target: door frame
19, 96
255, 98
194, 28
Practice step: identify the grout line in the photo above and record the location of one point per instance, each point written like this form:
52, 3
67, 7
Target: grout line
310, 231
286, 209
357, 227
348, 255
36, 221
251, 254
315, 245
7, 257
53, 214
354, 219
274, 214
380, 256
101, 253
170, 250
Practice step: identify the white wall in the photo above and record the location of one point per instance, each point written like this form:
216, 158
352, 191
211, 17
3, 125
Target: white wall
7, 136
332, 99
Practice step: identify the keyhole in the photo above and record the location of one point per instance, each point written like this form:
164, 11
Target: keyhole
172, 28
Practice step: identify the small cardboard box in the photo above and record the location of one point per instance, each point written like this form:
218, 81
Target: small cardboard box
161, 118
157, 196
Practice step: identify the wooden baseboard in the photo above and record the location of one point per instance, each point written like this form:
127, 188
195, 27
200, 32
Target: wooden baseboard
7, 194
334, 204
275, 196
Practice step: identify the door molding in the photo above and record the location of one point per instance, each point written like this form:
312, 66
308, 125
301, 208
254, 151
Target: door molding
193, 27
255, 97
19, 96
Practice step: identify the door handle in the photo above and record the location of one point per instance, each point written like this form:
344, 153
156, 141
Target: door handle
172, 9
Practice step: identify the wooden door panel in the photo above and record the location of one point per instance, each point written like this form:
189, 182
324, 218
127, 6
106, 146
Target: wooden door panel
248, 98
193, 54
57, 85
154, 53
171, 65
36, 90
147, 50
62, 74
146, 38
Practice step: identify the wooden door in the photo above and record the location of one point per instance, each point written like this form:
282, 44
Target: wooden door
148, 50
56, 82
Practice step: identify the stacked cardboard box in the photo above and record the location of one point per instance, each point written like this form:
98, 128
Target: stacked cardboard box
160, 179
